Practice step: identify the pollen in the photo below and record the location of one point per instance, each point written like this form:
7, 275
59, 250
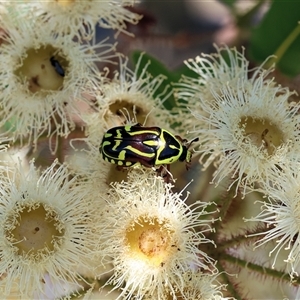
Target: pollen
35, 232
262, 133
150, 240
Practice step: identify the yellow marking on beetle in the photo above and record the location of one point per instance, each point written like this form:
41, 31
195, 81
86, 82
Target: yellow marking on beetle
120, 163
106, 143
117, 144
128, 163
174, 147
122, 155
127, 127
152, 143
107, 135
111, 159
138, 152
119, 134
143, 132
189, 156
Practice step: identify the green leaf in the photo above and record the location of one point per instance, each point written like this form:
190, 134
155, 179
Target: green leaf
274, 31
156, 68
186, 71
11, 124
229, 3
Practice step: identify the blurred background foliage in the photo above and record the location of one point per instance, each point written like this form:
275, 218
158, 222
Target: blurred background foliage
264, 28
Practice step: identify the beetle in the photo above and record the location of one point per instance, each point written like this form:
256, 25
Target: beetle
58, 68
149, 146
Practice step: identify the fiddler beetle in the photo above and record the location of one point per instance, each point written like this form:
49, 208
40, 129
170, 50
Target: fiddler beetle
149, 146
58, 68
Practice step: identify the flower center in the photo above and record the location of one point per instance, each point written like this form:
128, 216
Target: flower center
42, 69
262, 133
34, 231
149, 240
127, 111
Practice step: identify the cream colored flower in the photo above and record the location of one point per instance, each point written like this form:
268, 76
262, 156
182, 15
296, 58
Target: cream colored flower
92, 171
40, 78
245, 125
251, 133
212, 71
103, 294
45, 230
281, 215
152, 235
197, 286
129, 98
78, 18
226, 66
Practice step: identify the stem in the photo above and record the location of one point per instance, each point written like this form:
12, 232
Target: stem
223, 205
235, 240
60, 148
229, 286
284, 46
257, 268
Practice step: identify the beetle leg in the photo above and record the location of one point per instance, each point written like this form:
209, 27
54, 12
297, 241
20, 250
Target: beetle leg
183, 141
164, 172
161, 171
120, 168
144, 163
168, 173
188, 165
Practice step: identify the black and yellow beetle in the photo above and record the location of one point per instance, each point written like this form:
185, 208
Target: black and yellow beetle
149, 146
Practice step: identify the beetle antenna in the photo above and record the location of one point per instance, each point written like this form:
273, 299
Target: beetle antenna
191, 142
